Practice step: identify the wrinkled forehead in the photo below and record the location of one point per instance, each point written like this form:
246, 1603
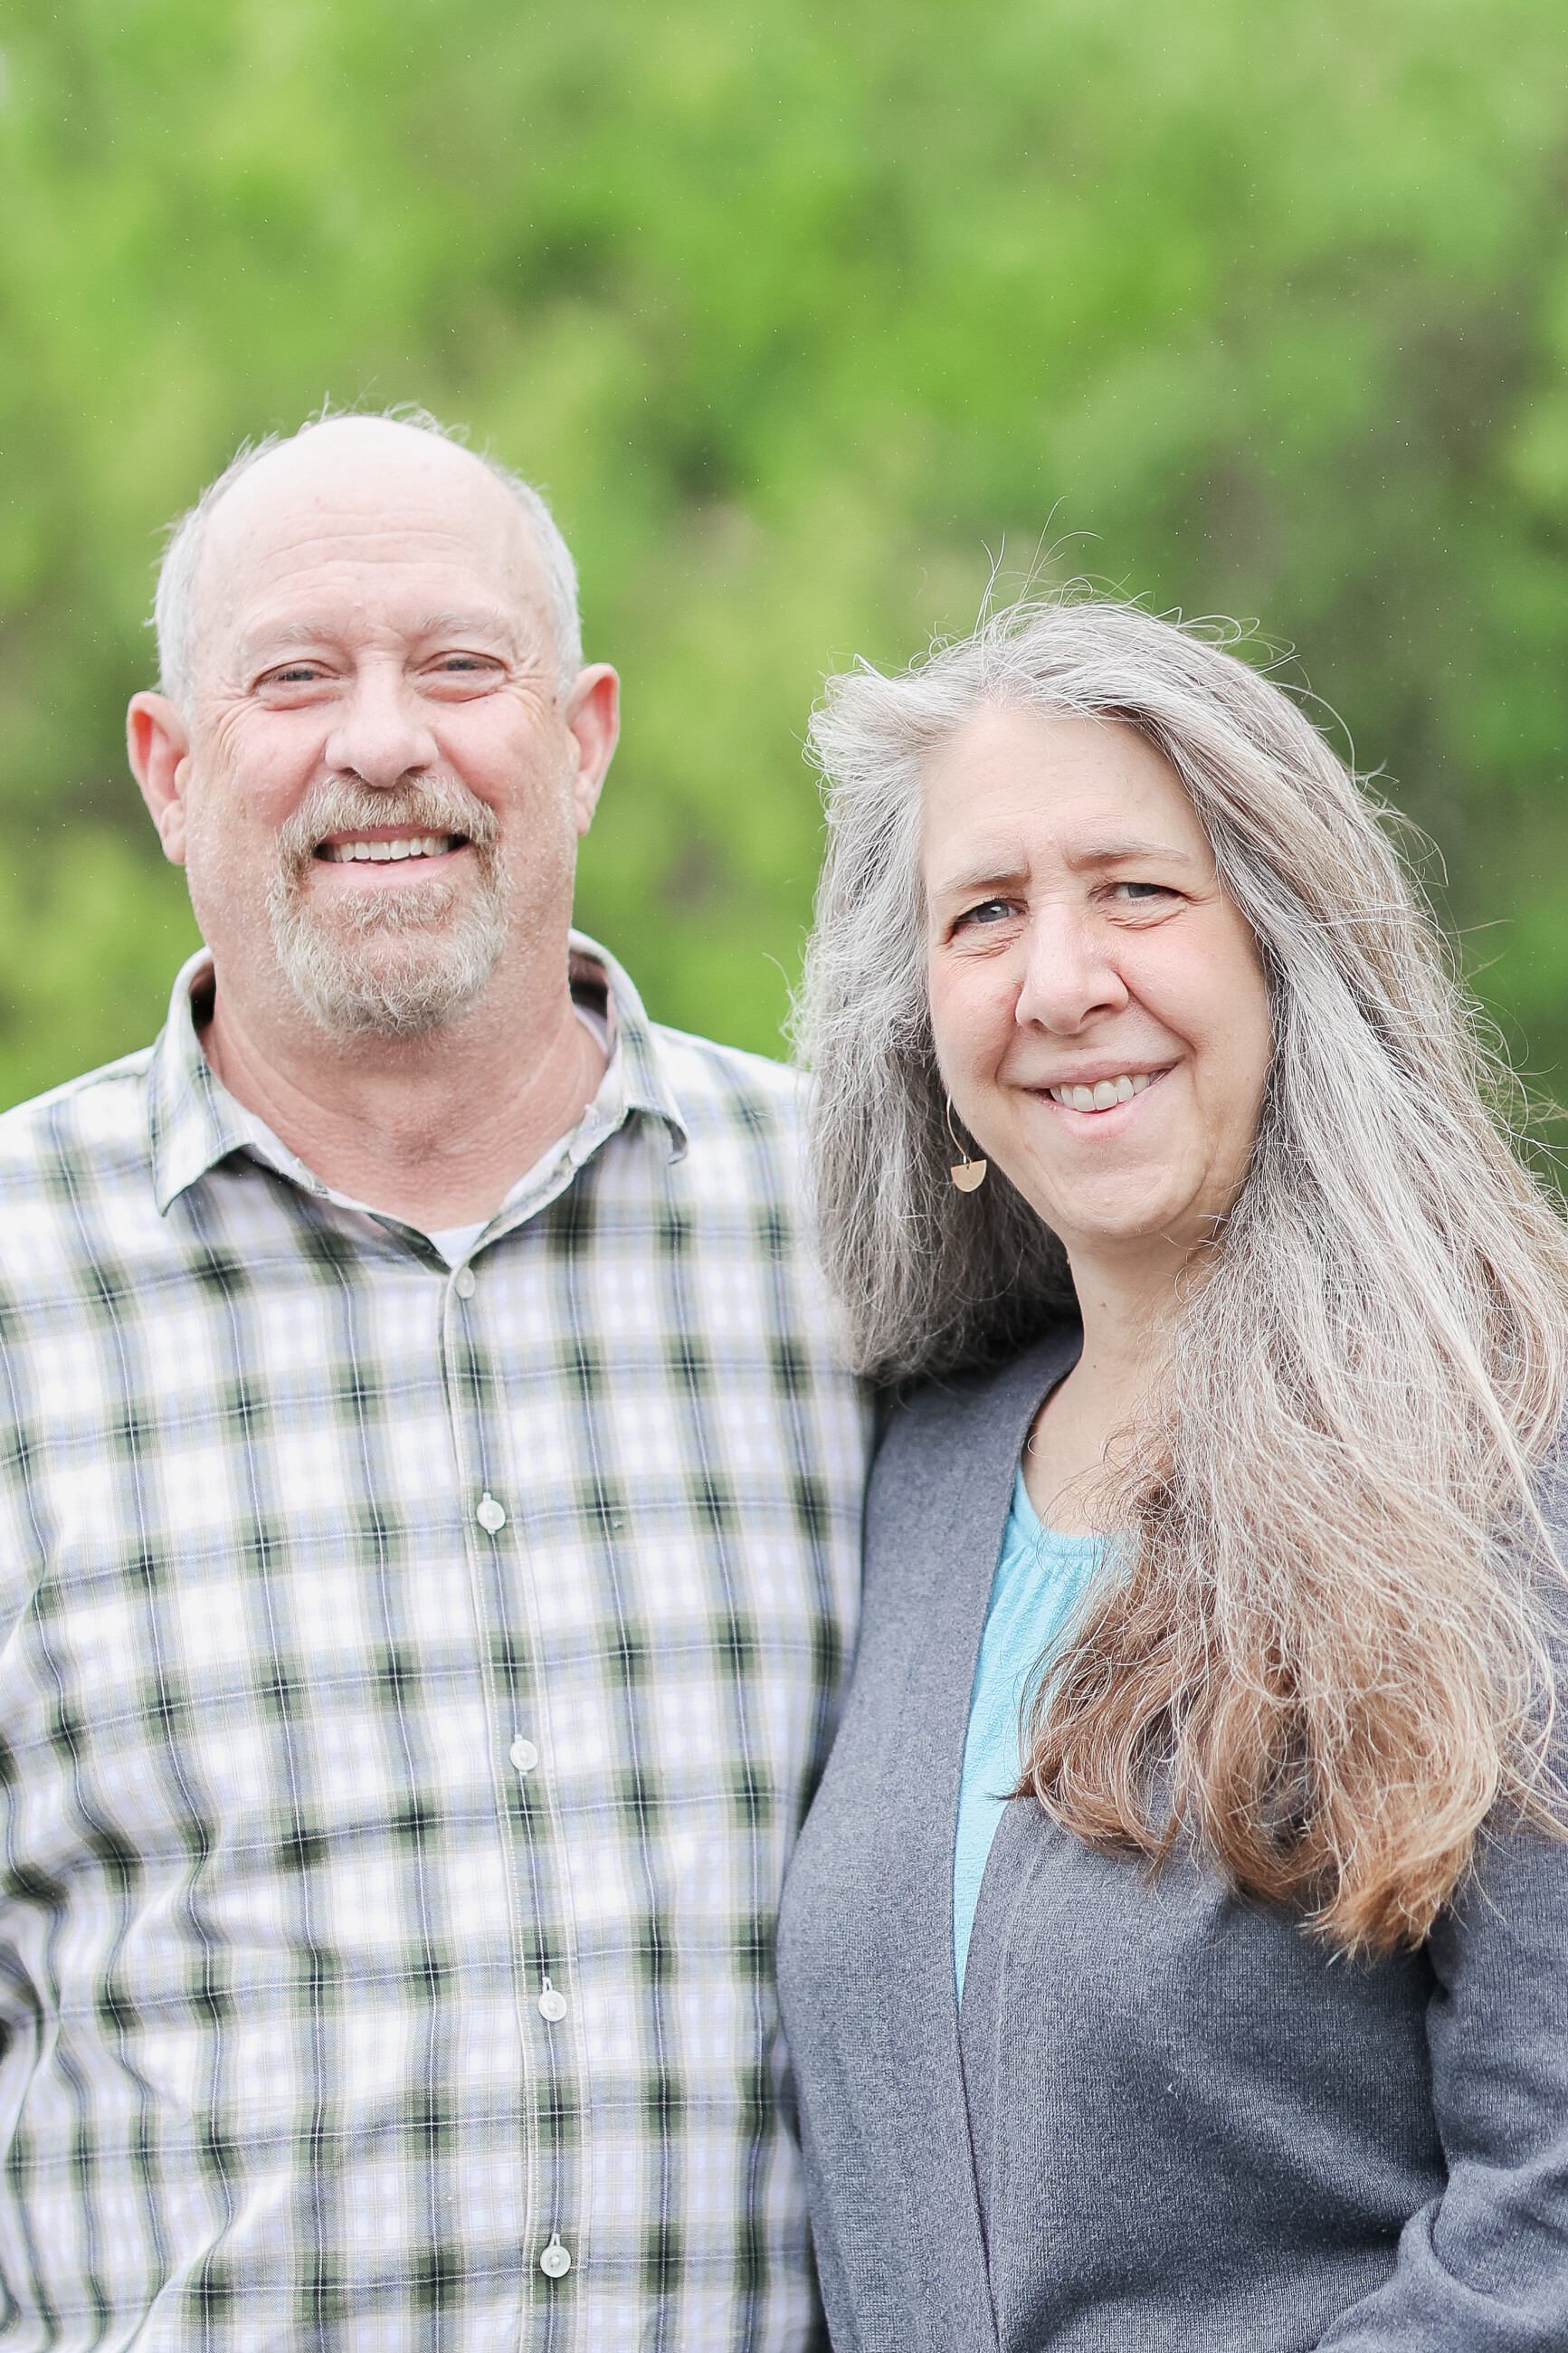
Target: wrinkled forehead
363, 518
1051, 776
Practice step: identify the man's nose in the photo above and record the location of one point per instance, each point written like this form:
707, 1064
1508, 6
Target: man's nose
1070, 977
381, 734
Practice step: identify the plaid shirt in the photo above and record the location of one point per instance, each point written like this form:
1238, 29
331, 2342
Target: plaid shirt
411, 1681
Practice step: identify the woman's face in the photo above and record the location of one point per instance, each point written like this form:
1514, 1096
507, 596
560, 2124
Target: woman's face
1079, 940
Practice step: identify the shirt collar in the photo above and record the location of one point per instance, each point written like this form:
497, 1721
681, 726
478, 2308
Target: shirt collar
194, 1122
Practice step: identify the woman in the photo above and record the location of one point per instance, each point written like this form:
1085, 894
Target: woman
1176, 1955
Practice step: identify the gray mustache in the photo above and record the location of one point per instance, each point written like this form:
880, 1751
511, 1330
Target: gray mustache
347, 808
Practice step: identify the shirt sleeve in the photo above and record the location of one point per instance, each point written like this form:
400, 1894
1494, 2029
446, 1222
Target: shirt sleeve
1484, 2267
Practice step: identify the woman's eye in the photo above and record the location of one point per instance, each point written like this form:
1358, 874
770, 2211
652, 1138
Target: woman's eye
1139, 891
990, 911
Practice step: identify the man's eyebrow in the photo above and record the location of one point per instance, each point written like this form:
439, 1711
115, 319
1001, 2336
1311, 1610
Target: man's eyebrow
482, 620
492, 622
283, 633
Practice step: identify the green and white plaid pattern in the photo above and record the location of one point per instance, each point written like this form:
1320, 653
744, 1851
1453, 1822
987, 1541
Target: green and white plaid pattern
386, 1650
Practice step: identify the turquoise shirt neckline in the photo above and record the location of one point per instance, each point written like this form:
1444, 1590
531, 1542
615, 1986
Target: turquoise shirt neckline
1041, 1576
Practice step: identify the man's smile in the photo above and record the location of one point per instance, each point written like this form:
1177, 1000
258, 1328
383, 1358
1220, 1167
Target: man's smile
386, 847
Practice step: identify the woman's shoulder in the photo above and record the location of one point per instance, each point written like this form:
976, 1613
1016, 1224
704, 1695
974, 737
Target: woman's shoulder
963, 1429
933, 1403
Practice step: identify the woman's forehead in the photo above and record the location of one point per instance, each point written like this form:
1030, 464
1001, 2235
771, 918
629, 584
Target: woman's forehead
1056, 785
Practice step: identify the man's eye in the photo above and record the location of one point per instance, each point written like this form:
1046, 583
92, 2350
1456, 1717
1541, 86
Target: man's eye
298, 674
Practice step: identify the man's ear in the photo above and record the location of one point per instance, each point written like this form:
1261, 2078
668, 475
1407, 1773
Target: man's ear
160, 745
593, 716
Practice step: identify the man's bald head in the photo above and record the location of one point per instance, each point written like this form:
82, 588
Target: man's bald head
324, 446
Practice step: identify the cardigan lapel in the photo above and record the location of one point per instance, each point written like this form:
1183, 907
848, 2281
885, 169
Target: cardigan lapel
979, 1449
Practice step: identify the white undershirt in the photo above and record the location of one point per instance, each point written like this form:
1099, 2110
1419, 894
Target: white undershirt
455, 1242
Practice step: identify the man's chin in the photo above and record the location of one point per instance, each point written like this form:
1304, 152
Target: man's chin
396, 963
388, 985
386, 1000
366, 911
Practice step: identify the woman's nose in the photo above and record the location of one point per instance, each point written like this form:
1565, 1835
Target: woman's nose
1070, 978
382, 735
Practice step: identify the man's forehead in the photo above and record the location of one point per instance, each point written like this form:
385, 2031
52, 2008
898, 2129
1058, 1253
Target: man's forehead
354, 500
406, 463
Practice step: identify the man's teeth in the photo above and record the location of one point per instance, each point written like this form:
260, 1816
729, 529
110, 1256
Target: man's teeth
379, 853
1102, 1095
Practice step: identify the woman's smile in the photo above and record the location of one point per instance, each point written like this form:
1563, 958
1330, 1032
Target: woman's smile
1094, 1096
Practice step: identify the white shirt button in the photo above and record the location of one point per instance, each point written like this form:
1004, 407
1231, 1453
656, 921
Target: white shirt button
489, 1514
523, 1754
463, 1283
555, 2262
551, 2005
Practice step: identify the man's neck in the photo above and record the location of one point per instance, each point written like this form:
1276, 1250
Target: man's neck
433, 1130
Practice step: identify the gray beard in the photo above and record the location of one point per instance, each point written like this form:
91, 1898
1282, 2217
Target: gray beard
398, 963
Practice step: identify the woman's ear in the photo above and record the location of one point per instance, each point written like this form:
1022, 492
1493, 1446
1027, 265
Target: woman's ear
160, 746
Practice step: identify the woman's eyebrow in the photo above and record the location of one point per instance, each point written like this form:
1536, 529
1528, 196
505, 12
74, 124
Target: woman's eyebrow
1118, 848
998, 873
1011, 867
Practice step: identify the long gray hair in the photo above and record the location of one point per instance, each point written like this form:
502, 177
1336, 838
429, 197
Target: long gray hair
1331, 1645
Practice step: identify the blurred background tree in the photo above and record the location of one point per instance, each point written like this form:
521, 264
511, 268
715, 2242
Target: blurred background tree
802, 313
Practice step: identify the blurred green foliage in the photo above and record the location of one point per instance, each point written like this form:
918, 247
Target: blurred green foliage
802, 315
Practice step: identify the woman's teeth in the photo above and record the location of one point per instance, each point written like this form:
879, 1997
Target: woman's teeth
1102, 1095
413, 845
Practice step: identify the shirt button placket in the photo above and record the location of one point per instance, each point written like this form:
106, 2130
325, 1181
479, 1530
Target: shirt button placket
555, 2259
551, 2006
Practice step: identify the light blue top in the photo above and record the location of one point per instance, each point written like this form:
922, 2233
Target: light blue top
1040, 1578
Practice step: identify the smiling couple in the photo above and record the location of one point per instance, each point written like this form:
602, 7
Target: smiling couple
432, 1520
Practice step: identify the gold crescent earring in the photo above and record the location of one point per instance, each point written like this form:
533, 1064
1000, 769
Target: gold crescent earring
969, 1175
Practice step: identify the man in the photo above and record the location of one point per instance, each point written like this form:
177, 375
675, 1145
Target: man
430, 1513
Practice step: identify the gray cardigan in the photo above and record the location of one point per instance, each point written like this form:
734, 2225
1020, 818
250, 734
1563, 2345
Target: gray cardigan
1175, 2124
